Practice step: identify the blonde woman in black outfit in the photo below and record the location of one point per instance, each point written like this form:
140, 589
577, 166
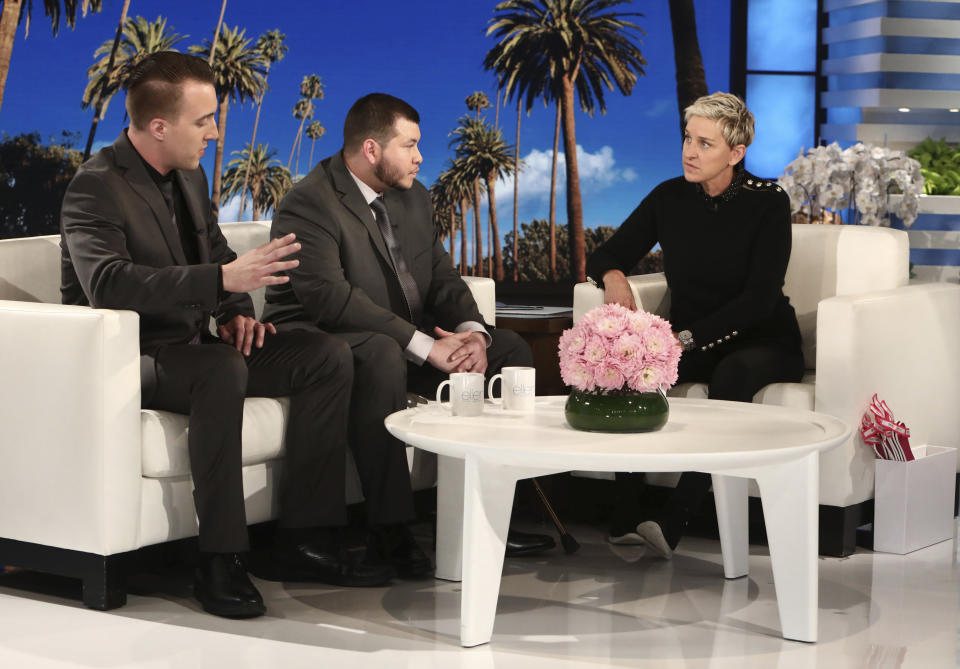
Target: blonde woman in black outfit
725, 236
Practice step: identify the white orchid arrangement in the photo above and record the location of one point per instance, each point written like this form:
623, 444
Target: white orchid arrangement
859, 177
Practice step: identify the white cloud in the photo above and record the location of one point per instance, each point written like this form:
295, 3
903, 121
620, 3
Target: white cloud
659, 107
230, 211
598, 171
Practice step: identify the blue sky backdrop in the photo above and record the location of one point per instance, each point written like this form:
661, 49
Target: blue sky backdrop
429, 52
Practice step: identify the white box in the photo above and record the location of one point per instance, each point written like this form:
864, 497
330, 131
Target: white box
913, 501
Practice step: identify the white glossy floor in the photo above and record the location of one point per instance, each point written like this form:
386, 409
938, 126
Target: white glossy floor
604, 606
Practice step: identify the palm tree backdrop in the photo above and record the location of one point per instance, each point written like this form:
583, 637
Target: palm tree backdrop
460, 187
534, 239
216, 32
238, 71
509, 73
259, 171
98, 108
139, 38
691, 79
477, 102
311, 88
272, 47
444, 211
314, 132
302, 110
470, 171
571, 48
277, 182
516, 187
486, 154
16, 11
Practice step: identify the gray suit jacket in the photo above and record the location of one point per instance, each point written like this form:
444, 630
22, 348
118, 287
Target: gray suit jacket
345, 282
121, 250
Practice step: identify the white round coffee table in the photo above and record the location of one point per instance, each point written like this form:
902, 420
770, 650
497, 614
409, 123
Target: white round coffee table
482, 458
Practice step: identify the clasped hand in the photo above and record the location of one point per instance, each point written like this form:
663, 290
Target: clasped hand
459, 352
245, 332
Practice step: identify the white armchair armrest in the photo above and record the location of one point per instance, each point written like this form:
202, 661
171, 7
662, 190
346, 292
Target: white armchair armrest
484, 292
70, 426
649, 292
904, 345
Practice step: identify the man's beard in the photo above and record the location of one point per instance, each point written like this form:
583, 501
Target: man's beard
391, 177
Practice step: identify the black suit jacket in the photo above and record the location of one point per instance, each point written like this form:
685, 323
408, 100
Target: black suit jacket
345, 282
120, 249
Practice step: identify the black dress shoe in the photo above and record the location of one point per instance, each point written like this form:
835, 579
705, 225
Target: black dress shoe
223, 588
320, 562
394, 545
524, 543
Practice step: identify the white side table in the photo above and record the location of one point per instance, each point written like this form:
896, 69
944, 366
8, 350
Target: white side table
482, 458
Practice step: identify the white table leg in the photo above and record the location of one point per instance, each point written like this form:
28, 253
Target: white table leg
449, 518
488, 501
789, 493
730, 494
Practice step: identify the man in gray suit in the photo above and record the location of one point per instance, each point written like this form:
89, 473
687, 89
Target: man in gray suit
374, 273
138, 233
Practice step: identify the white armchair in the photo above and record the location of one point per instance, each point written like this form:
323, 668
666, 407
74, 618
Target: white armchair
864, 331
86, 476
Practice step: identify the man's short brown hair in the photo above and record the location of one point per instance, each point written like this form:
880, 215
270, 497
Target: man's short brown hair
373, 116
154, 85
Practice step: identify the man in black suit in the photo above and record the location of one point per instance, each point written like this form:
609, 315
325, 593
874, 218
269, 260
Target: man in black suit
138, 233
374, 273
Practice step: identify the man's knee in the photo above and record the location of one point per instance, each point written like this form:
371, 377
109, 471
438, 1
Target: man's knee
325, 357
380, 357
226, 367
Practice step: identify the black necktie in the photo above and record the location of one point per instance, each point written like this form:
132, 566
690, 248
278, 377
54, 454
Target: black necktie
407, 284
166, 189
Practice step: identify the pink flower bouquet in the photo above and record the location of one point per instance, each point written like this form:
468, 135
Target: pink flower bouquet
613, 350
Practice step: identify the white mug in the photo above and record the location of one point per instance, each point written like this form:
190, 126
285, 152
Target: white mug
466, 393
517, 386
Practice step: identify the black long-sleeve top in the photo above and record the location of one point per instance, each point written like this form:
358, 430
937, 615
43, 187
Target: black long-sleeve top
724, 258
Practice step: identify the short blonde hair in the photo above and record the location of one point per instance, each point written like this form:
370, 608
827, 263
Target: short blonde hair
731, 114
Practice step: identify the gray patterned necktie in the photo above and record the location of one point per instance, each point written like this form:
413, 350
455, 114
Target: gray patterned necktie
407, 284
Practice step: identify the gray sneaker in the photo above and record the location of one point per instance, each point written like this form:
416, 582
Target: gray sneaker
623, 533
625, 538
651, 534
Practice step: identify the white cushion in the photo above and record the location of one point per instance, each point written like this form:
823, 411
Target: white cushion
793, 395
693, 390
164, 437
30, 269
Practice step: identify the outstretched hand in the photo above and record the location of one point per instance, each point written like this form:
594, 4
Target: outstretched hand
458, 352
258, 267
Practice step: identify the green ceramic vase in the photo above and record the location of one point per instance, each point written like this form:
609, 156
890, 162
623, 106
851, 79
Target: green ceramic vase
637, 412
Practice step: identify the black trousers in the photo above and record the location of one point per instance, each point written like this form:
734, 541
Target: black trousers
735, 375
209, 381
382, 378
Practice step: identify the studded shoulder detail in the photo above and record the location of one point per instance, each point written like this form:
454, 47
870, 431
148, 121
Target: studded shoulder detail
756, 184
